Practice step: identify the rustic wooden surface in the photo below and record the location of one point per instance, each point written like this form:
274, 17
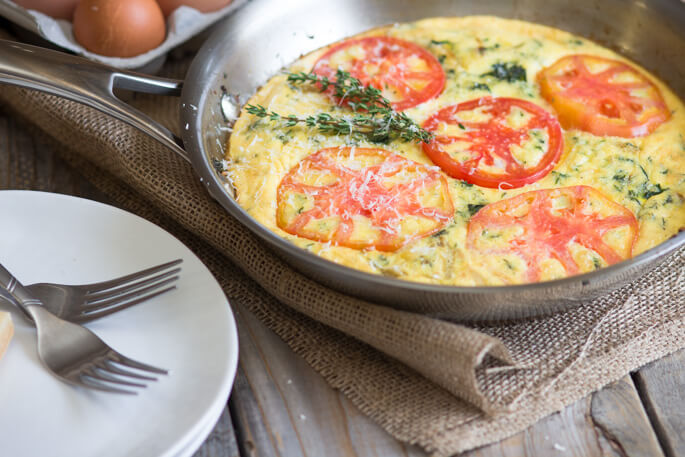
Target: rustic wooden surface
280, 407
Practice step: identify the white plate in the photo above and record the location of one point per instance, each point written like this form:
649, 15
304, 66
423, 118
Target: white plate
190, 331
197, 441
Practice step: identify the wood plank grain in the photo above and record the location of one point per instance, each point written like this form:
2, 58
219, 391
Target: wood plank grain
611, 422
661, 385
221, 442
566, 433
282, 407
620, 417
254, 438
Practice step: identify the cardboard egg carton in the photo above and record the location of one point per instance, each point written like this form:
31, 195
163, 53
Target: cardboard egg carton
181, 25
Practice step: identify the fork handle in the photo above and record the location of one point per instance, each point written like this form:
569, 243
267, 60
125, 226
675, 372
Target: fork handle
21, 297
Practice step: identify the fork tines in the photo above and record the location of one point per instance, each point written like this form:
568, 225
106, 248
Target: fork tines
107, 297
108, 373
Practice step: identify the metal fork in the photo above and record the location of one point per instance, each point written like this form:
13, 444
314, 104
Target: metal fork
87, 302
75, 354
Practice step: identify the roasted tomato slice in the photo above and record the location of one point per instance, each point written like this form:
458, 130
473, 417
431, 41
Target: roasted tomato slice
404, 72
602, 96
363, 198
495, 142
578, 227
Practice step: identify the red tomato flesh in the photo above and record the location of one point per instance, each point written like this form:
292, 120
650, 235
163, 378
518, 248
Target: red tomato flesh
486, 145
546, 230
342, 189
602, 96
404, 72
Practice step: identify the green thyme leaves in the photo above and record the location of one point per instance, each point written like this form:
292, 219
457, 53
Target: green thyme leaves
507, 71
372, 117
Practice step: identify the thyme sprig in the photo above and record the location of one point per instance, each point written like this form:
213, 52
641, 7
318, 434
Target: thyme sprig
372, 117
374, 128
347, 89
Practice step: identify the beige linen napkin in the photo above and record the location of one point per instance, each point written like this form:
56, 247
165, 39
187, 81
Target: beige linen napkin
444, 386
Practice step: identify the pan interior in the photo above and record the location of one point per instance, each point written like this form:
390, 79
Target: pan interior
265, 35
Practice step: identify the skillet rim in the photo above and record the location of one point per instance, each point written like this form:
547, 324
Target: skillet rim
197, 92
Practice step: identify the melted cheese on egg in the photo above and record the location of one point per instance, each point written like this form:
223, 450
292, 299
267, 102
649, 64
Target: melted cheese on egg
646, 174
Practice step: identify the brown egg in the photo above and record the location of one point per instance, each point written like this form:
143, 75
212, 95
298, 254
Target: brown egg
59, 9
119, 28
168, 6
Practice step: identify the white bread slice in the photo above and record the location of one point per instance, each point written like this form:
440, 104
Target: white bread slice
6, 331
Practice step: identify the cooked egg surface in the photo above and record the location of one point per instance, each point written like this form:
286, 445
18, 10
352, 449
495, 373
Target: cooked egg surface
602, 200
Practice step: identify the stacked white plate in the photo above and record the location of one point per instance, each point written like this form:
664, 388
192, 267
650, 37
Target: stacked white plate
190, 331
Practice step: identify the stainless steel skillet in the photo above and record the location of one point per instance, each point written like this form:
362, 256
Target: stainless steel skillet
262, 37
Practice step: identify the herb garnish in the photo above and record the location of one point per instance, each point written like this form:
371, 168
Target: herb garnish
646, 191
374, 119
473, 209
483, 49
649, 191
508, 71
219, 165
480, 86
558, 176
439, 233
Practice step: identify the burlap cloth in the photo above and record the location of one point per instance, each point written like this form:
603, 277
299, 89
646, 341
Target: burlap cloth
443, 386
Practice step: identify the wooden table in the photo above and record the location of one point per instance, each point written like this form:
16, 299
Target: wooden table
280, 407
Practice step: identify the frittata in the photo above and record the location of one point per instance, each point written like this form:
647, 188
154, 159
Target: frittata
549, 156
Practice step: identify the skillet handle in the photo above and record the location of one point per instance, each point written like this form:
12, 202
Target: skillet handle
91, 83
